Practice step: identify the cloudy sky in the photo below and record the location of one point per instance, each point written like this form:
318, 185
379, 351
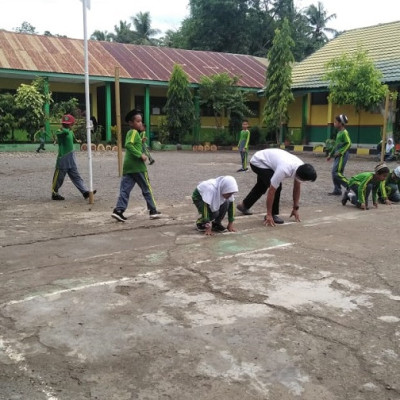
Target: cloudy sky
64, 17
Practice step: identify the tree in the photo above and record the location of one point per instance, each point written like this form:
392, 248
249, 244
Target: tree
278, 81
123, 33
101, 35
317, 18
26, 27
8, 121
217, 25
143, 31
353, 79
221, 94
30, 101
179, 107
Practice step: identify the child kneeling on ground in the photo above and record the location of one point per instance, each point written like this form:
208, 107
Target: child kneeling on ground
361, 185
213, 198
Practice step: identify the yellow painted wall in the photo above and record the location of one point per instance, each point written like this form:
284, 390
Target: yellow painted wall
295, 110
319, 115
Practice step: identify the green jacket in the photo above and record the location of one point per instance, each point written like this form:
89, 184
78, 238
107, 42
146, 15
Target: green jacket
362, 181
342, 143
133, 154
244, 139
65, 140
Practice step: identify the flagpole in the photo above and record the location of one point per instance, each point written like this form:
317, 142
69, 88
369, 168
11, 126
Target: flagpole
86, 5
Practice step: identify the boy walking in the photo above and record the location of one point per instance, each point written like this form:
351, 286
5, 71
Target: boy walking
134, 170
244, 145
66, 162
40, 136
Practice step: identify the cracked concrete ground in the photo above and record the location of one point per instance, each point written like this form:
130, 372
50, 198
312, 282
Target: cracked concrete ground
94, 309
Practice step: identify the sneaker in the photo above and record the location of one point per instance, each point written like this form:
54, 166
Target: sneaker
56, 196
278, 220
201, 226
152, 161
345, 198
118, 215
154, 214
218, 227
334, 193
243, 210
86, 194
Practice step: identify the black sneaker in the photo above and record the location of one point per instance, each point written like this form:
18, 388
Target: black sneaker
345, 198
56, 196
118, 215
217, 227
86, 194
152, 161
201, 226
154, 214
244, 210
278, 220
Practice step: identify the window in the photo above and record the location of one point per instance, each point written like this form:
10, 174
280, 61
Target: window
319, 99
59, 97
157, 104
254, 106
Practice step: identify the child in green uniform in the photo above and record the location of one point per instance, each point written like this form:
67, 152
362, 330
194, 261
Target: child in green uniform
66, 162
244, 145
213, 198
134, 170
361, 185
40, 136
392, 187
340, 153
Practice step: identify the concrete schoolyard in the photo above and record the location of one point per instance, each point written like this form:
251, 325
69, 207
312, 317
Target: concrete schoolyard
95, 309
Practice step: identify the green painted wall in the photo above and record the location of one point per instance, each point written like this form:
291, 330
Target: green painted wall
363, 134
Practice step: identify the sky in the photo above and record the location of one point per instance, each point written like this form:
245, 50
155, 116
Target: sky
65, 17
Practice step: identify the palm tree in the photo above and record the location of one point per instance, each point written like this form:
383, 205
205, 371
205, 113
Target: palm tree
101, 35
143, 30
123, 33
318, 19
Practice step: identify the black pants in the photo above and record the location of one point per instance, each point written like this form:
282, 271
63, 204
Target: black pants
263, 183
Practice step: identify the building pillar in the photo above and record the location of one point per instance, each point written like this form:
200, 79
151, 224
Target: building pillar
147, 112
108, 112
196, 126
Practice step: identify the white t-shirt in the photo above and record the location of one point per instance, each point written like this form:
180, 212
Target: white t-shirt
280, 161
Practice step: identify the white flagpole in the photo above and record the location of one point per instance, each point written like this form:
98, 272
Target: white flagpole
86, 4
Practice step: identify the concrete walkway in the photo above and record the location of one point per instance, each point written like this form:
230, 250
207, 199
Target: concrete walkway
95, 309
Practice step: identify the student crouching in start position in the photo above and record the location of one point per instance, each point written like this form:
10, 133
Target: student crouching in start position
361, 185
271, 167
213, 198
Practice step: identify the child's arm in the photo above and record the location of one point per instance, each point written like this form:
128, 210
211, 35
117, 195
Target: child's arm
246, 146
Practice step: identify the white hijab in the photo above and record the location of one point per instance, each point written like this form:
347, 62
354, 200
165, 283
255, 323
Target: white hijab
389, 145
211, 191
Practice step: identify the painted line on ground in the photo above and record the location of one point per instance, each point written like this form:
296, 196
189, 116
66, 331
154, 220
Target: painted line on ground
62, 291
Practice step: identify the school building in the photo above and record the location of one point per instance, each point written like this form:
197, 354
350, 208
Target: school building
144, 71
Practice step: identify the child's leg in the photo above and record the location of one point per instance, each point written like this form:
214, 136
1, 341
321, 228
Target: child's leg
126, 186
76, 179
142, 179
58, 179
220, 214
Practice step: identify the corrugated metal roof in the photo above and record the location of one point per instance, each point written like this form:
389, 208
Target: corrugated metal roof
382, 43
54, 55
